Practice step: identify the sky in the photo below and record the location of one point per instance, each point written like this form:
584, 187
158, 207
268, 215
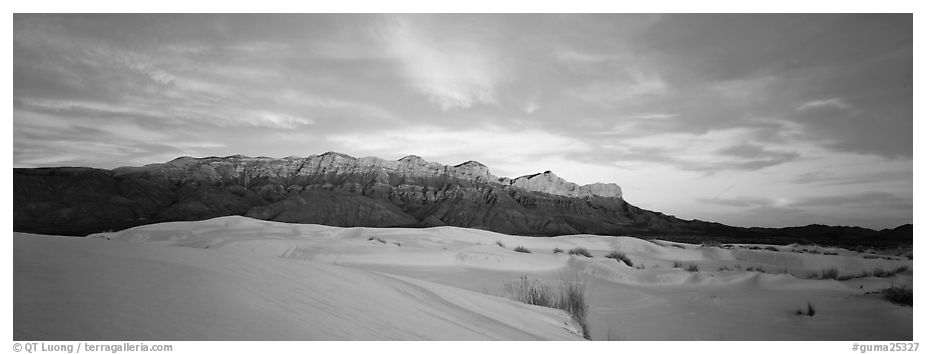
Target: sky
749, 120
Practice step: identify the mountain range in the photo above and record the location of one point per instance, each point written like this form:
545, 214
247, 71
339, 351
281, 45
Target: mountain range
340, 190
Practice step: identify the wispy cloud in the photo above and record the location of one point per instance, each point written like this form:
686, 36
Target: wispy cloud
871, 198
453, 72
632, 84
438, 142
714, 151
836, 103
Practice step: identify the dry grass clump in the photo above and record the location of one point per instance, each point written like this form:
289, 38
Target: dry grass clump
899, 295
691, 267
620, 256
580, 251
522, 249
811, 310
570, 297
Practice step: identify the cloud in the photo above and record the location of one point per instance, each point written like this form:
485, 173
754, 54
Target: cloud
870, 199
531, 107
573, 57
863, 199
732, 149
453, 72
831, 178
442, 143
740, 202
631, 85
836, 103
749, 88
278, 120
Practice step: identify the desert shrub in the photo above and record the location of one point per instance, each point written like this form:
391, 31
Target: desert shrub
571, 297
879, 272
724, 268
522, 249
899, 295
755, 269
678, 264
579, 251
376, 238
692, 268
531, 292
620, 256
828, 253
845, 277
814, 252
500, 244
831, 273
640, 266
557, 250
573, 300
770, 248
811, 310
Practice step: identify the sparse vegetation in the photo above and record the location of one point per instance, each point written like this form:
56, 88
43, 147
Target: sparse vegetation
690, 267
531, 292
811, 310
376, 238
570, 297
620, 256
724, 268
557, 250
899, 295
500, 244
755, 269
770, 248
831, 273
877, 272
580, 251
522, 249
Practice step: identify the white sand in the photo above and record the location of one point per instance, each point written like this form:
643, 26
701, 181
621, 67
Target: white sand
239, 278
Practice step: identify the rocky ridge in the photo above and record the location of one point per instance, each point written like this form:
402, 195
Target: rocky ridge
215, 169
339, 190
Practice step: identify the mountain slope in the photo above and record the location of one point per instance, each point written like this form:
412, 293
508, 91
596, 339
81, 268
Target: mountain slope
339, 190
